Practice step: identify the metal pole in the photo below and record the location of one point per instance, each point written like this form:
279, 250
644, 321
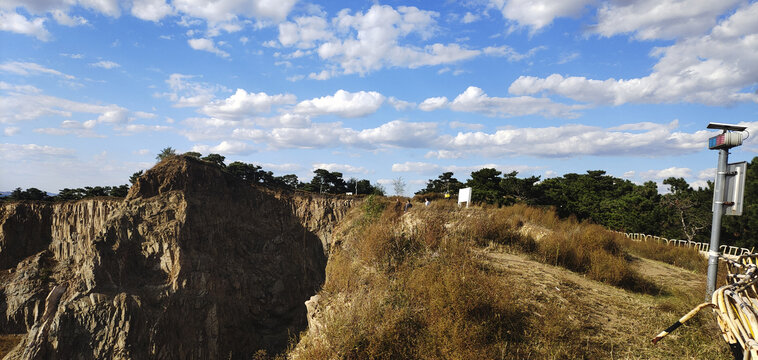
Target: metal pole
718, 210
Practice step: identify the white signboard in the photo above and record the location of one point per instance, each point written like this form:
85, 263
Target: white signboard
464, 195
734, 189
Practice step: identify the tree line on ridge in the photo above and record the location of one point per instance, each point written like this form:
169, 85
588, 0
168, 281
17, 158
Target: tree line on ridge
682, 213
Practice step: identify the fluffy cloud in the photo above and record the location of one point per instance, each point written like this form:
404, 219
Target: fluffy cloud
473, 99
61, 17
24, 107
343, 168
151, 10
343, 103
72, 127
433, 103
364, 42
227, 15
188, 93
662, 174
419, 167
16, 152
23, 89
397, 134
646, 139
469, 18
106, 64
645, 19
537, 14
229, 10
243, 104
468, 126
226, 148
566, 141
29, 68
257, 135
11, 130
708, 69
106, 7
509, 53
208, 45
394, 134
139, 128
304, 32
113, 114
321, 135
323, 75
657, 19
444, 154
16, 23
400, 105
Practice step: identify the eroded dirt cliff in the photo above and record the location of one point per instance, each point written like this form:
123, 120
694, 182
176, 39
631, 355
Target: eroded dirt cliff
193, 263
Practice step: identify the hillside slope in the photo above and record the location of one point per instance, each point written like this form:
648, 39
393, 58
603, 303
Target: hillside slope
440, 282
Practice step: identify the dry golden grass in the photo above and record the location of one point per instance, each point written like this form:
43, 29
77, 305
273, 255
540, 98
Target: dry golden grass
684, 257
443, 283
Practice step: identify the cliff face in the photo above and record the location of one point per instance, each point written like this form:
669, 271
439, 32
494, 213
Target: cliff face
193, 263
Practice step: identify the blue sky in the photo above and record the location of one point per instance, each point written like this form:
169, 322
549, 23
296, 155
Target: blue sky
92, 90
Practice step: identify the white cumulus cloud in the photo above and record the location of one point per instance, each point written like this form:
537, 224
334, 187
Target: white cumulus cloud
343, 103
226, 148
243, 104
537, 14
205, 44
707, 69
660, 19
365, 42
662, 174
151, 10
433, 103
473, 99
16, 23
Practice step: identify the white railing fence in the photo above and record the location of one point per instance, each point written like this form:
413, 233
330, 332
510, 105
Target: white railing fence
726, 250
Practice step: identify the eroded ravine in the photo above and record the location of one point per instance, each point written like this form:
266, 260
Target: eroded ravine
193, 263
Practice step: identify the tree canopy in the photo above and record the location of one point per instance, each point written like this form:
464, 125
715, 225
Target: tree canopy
166, 152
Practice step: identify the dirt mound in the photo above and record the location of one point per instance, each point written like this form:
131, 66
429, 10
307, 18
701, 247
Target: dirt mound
182, 173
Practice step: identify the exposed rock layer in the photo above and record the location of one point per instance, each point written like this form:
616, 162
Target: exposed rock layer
194, 263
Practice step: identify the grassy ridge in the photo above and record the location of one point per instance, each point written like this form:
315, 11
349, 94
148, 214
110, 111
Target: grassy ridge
412, 286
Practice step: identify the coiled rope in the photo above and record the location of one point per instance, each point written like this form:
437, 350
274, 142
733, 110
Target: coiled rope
735, 307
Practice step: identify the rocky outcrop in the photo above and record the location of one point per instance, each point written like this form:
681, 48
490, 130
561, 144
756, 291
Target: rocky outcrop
24, 231
194, 263
34, 236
